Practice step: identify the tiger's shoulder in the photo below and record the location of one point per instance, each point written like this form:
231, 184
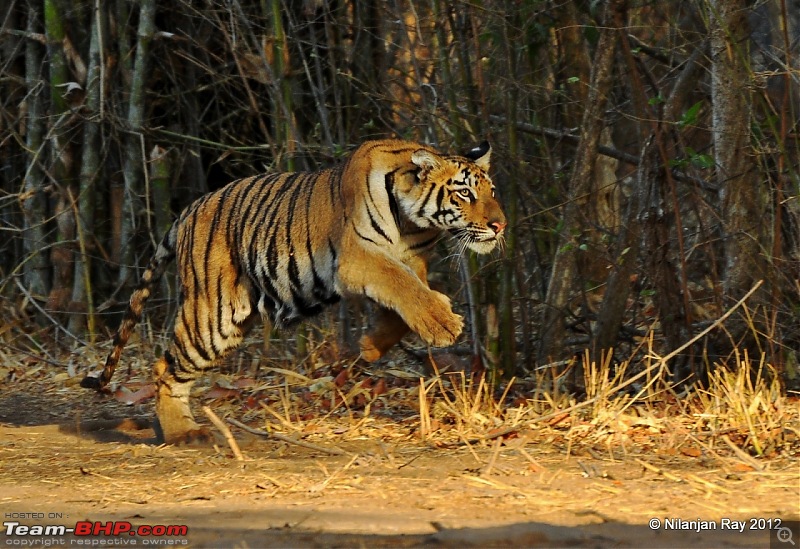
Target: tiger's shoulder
381, 157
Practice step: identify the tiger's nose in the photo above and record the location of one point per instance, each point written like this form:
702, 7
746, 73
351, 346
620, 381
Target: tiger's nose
497, 225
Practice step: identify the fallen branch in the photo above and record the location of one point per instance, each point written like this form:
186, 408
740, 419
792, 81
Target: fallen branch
219, 424
657, 470
288, 440
742, 455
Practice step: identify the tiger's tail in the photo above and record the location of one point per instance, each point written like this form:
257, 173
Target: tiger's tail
163, 255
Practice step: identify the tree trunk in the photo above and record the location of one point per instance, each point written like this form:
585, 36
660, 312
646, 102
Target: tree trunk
564, 271
629, 242
133, 165
36, 269
508, 328
367, 66
742, 197
61, 163
89, 172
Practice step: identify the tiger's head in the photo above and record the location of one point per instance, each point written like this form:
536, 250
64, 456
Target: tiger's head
455, 193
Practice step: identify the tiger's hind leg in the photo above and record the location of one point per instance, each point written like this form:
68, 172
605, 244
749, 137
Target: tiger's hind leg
175, 423
190, 354
389, 328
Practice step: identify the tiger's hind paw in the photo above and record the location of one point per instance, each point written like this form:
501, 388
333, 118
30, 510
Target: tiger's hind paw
195, 436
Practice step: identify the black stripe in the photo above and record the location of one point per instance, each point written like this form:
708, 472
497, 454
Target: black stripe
220, 208
215, 324
443, 213
192, 325
221, 306
425, 243
263, 227
440, 197
196, 337
270, 229
393, 206
362, 237
374, 222
173, 367
247, 194
186, 249
294, 271
182, 345
320, 288
378, 229
334, 255
421, 211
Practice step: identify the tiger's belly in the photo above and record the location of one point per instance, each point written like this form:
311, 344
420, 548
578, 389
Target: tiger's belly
295, 288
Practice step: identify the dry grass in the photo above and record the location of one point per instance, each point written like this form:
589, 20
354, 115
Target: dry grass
627, 407
747, 401
447, 441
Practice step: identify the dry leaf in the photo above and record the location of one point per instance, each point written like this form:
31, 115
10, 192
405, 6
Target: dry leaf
220, 392
126, 396
691, 451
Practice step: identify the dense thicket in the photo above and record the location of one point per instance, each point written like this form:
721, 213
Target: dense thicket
646, 153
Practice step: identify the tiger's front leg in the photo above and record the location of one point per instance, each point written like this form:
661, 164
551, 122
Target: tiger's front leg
395, 286
388, 327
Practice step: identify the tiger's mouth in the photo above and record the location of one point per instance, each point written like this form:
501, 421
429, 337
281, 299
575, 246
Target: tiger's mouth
481, 242
483, 246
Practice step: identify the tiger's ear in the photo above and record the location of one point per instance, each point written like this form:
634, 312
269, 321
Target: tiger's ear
481, 155
426, 160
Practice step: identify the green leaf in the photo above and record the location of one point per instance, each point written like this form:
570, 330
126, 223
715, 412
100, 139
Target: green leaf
703, 161
678, 163
690, 116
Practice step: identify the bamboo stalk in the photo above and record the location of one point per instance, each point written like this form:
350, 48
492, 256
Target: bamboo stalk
34, 207
89, 172
133, 166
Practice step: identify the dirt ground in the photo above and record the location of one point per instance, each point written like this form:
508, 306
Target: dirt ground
387, 489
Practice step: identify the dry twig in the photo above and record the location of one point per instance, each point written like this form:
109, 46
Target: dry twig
219, 424
288, 440
741, 454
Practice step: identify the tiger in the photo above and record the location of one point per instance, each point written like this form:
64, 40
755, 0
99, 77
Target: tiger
284, 245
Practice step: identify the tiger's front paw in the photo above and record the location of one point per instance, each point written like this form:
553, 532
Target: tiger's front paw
439, 326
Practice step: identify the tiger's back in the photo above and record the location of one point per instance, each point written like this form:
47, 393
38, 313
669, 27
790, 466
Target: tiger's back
286, 245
